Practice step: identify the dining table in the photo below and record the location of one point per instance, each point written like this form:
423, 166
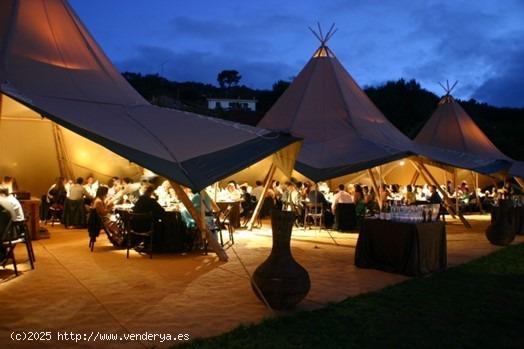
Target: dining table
234, 217
402, 247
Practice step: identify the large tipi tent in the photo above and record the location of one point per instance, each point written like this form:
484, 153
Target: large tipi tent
343, 130
50, 63
452, 137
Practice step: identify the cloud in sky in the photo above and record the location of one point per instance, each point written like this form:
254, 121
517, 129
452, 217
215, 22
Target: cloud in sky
478, 43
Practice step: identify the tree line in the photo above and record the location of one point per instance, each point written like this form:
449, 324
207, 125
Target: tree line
405, 103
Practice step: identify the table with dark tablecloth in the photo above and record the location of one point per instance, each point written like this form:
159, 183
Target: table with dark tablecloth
400, 247
173, 235
516, 218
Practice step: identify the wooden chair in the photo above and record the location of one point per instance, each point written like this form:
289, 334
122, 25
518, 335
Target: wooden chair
313, 213
223, 222
22, 235
55, 212
140, 227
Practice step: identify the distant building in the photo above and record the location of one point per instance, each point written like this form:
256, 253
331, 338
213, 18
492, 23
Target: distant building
229, 104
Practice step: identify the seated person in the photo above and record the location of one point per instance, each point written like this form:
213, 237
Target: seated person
103, 209
248, 202
77, 191
165, 193
75, 206
257, 190
11, 205
341, 197
434, 197
232, 192
10, 184
128, 191
91, 185
410, 197
316, 196
57, 193
146, 203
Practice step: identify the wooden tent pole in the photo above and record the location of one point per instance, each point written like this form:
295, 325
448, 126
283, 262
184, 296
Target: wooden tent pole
444, 194
201, 224
414, 178
428, 181
260, 202
519, 181
374, 182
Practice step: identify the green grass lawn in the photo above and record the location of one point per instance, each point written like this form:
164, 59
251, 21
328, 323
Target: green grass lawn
478, 304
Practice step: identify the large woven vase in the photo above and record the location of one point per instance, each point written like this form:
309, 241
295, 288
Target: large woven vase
282, 281
501, 231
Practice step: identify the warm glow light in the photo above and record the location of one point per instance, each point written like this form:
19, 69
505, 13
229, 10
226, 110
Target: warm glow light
402, 162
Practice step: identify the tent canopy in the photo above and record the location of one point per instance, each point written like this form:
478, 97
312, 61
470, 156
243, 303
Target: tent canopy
517, 169
50, 63
452, 137
33, 145
343, 130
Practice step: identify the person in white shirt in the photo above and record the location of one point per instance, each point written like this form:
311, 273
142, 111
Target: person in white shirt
91, 186
129, 189
341, 197
12, 205
233, 192
257, 191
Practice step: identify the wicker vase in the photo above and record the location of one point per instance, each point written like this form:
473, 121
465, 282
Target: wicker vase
501, 231
282, 281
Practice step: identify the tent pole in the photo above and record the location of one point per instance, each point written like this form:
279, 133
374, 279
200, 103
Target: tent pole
414, 178
520, 182
429, 181
379, 193
374, 182
202, 226
260, 202
444, 194
61, 168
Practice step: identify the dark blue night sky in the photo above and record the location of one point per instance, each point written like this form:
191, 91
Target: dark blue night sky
479, 43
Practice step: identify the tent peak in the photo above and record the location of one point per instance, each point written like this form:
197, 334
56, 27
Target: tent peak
447, 88
447, 98
323, 50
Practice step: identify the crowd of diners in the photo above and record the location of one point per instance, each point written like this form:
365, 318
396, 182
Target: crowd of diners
157, 195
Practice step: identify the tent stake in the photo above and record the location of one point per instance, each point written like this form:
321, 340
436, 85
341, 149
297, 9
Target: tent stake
202, 226
260, 202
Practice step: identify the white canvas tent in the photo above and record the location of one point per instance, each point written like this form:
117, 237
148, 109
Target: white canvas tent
50, 63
